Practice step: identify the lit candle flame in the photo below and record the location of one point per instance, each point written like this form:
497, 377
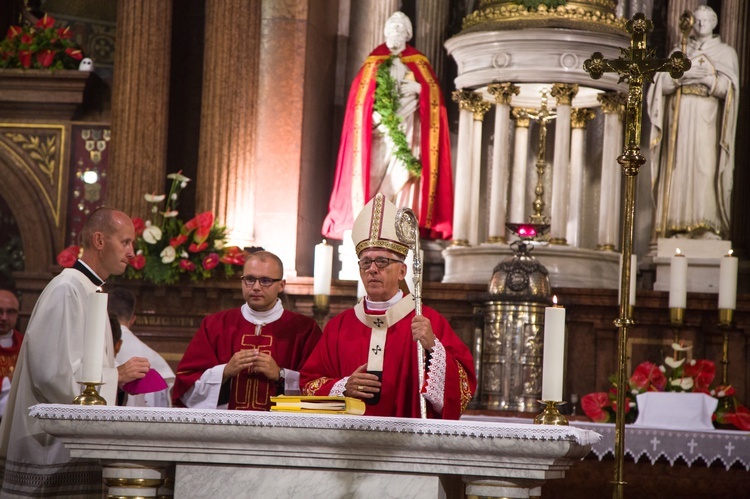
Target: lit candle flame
678, 252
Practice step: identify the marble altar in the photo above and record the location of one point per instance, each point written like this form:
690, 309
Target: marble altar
229, 453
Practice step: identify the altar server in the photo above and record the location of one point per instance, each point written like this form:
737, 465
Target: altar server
241, 357
50, 363
380, 335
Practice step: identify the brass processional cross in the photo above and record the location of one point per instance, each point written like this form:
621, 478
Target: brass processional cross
634, 66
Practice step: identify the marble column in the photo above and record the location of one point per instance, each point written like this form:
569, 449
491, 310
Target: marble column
140, 103
613, 107
563, 93
517, 207
479, 109
503, 93
462, 183
578, 120
366, 24
432, 19
228, 114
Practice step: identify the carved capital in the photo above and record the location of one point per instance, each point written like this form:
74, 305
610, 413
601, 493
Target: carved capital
564, 93
580, 116
521, 117
464, 98
503, 92
613, 102
481, 107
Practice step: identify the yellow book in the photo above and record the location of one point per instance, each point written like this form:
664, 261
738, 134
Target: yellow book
321, 405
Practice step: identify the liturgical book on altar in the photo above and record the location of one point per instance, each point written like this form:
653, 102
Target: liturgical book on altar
321, 405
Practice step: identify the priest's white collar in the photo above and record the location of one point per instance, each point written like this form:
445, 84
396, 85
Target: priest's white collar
265, 317
377, 306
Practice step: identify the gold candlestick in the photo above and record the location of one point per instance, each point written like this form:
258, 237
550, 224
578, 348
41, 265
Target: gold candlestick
677, 319
321, 308
726, 320
89, 394
551, 415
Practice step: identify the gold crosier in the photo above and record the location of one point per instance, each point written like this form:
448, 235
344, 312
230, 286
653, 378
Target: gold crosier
633, 66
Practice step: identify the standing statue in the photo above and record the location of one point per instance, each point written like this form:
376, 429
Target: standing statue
395, 139
692, 137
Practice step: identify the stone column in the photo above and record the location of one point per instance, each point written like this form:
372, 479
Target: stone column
432, 18
480, 108
564, 94
503, 93
675, 8
462, 183
578, 120
517, 206
228, 116
613, 106
140, 103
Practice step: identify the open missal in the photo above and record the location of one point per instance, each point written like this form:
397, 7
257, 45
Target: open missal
321, 405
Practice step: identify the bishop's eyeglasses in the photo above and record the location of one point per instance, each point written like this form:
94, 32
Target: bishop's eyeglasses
249, 280
380, 262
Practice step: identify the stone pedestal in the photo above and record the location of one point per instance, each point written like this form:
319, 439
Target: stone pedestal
704, 257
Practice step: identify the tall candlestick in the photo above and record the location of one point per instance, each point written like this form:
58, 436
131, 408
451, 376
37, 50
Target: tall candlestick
93, 338
323, 268
728, 282
633, 279
678, 281
554, 353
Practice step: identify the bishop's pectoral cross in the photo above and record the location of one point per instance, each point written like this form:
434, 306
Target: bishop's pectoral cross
635, 65
251, 392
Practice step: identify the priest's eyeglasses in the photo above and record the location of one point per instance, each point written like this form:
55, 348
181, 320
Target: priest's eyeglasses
380, 262
249, 280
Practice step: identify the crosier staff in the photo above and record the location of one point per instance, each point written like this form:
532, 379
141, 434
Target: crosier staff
407, 230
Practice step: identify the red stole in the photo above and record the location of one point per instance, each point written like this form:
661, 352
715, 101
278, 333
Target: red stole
351, 189
9, 356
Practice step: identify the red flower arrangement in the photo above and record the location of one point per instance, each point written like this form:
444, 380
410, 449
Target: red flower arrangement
167, 248
675, 375
40, 46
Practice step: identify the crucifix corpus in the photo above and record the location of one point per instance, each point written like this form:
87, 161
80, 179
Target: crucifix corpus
636, 64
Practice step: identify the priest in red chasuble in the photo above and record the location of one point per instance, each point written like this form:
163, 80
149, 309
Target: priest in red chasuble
370, 351
241, 357
10, 343
395, 139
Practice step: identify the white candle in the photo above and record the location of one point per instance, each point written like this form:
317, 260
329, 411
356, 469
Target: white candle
728, 282
554, 353
93, 338
633, 276
323, 268
678, 281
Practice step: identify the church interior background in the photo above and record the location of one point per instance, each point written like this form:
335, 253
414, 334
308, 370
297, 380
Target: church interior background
247, 97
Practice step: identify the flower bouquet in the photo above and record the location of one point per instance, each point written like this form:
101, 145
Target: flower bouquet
166, 247
677, 374
41, 46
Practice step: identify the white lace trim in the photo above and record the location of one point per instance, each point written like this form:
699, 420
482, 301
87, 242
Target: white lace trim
157, 415
339, 387
435, 391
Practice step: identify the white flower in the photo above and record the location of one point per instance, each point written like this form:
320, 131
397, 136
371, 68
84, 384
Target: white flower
155, 198
692, 362
183, 185
184, 254
684, 383
679, 348
170, 214
152, 234
218, 245
721, 394
674, 364
139, 252
148, 223
173, 197
154, 209
168, 254
632, 404
178, 176
662, 369
634, 392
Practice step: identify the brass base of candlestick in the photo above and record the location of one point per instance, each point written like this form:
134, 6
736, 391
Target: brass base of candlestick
677, 316
551, 415
89, 395
321, 308
726, 317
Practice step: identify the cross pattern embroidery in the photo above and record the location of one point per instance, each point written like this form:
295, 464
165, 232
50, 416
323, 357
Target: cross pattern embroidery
377, 349
692, 444
729, 447
655, 441
251, 392
379, 322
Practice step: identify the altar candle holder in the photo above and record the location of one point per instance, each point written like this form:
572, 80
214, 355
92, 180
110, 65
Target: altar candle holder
726, 323
551, 415
677, 320
321, 308
89, 394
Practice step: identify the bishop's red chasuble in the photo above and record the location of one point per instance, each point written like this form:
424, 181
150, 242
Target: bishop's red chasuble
289, 340
345, 347
9, 356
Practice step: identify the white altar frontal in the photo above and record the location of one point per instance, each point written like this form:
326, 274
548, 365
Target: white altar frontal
201, 453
